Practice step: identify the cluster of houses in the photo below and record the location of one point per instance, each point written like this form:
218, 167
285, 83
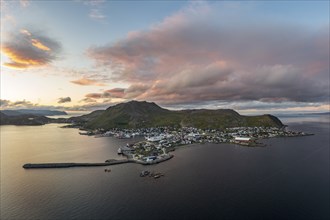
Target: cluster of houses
169, 137
159, 141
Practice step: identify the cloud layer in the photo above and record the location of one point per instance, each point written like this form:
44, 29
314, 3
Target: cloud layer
198, 55
7, 104
105, 95
90, 104
26, 49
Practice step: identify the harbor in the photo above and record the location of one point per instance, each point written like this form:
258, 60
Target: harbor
159, 142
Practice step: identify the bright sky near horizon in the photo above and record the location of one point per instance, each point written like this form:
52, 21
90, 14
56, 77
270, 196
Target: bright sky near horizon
252, 56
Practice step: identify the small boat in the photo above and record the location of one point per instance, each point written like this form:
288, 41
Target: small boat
157, 175
144, 173
83, 133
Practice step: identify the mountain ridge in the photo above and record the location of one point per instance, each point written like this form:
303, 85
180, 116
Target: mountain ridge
142, 114
23, 119
32, 112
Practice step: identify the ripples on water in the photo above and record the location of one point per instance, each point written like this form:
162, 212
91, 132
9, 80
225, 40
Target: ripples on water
288, 179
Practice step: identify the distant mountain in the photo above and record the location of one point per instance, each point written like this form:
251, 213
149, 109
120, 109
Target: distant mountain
23, 119
319, 113
303, 114
136, 114
33, 112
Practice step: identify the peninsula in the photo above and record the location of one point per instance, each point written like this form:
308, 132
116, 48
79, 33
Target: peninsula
28, 117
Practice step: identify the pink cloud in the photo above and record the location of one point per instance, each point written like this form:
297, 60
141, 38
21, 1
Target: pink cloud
191, 57
116, 92
87, 82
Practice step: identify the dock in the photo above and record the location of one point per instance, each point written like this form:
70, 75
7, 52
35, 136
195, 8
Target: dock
109, 163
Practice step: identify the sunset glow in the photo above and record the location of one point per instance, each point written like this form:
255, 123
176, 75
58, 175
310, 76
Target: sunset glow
39, 45
249, 56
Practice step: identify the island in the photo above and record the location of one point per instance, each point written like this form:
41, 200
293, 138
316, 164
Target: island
29, 117
164, 130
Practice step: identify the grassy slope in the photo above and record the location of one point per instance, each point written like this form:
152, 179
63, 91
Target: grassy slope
143, 114
87, 117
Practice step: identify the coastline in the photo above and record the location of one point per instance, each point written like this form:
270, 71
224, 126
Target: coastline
156, 161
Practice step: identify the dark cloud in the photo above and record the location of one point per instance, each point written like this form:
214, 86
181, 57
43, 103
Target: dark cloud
192, 57
94, 95
98, 95
108, 94
27, 49
64, 100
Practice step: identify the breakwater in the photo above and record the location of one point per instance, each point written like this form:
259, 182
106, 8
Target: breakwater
66, 165
112, 162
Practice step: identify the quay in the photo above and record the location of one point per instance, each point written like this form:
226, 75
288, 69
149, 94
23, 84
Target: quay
111, 162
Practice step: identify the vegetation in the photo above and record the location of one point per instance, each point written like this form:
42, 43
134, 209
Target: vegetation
136, 114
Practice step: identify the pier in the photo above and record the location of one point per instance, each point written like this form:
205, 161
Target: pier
66, 165
111, 162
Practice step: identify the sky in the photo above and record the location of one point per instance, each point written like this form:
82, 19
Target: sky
251, 56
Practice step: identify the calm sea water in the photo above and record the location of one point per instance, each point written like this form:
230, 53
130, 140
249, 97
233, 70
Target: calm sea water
288, 179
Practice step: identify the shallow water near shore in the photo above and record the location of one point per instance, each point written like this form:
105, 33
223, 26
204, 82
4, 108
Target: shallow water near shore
288, 179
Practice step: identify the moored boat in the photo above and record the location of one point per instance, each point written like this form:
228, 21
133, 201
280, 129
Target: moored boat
144, 173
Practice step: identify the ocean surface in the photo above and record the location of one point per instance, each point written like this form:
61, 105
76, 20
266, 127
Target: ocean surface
288, 179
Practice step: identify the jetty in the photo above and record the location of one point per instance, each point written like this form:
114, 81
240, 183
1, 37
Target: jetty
108, 163
66, 165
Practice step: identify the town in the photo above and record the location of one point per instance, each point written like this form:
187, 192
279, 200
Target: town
162, 140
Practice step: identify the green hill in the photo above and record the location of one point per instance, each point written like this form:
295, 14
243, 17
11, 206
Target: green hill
136, 114
87, 117
133, 115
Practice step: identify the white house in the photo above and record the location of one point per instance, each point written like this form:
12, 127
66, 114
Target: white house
245, 139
